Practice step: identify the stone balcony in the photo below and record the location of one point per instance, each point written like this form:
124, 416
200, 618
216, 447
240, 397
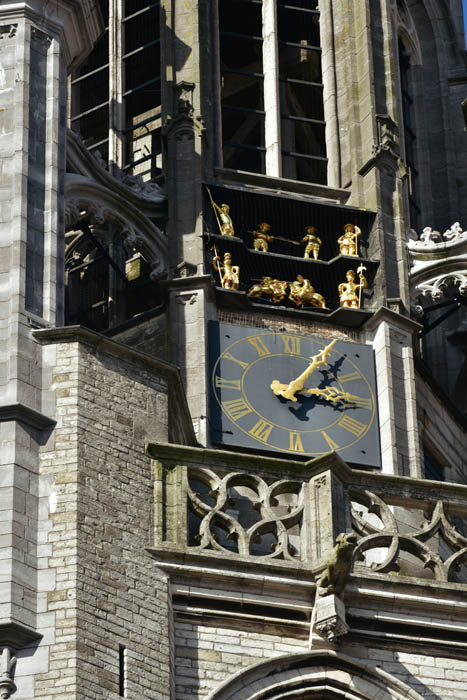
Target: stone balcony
223, 519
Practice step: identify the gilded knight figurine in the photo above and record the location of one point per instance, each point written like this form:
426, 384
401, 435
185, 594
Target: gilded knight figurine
223, 217
303, 292
262, 238
348, 242
350, 292
229, 274
313, 243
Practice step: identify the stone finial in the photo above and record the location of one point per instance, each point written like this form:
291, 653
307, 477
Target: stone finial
7, 665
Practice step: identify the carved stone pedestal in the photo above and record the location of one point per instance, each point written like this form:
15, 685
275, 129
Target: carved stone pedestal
327, 622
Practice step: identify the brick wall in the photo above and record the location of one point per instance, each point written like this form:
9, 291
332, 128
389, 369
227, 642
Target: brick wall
207, 655
102, 597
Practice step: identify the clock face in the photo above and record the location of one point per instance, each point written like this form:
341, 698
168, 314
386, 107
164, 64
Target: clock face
268, 394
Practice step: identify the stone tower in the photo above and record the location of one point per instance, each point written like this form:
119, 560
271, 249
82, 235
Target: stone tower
234, 336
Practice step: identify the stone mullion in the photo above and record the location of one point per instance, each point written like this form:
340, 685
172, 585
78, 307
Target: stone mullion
399, 202
170, 505
54, 202
272, 126
331, 113
116, 86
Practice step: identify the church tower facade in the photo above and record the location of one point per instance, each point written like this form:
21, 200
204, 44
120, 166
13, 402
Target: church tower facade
233, 414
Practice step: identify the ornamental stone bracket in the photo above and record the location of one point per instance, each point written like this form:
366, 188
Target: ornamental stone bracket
438, 263
386, 149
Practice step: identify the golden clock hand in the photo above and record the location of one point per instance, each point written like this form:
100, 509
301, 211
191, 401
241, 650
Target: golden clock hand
289, 390
331, 393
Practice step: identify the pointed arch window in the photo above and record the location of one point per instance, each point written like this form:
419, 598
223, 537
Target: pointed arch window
271, 88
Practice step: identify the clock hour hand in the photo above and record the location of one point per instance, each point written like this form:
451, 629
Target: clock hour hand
289, 390
331, 393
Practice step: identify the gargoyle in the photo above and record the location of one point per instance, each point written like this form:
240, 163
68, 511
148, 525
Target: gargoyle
334, 577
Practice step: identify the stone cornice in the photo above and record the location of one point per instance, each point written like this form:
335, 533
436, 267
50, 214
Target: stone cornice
383, 314
383, 483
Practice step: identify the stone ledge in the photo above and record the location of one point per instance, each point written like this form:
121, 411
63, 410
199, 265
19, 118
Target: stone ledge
23, 414
17, 636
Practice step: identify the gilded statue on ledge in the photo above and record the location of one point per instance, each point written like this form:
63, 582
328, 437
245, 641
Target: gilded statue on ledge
348, 242
313, 243
223, 218
350, 292
303, 292
262, 237
229, 274
269, 287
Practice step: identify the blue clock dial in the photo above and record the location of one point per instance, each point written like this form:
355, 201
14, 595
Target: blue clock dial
261, 400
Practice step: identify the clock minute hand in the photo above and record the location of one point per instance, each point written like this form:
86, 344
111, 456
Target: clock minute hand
289, 390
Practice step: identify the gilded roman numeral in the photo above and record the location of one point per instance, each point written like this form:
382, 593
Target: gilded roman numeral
291, 344
259, 345
332, 445
362, 403
350, 377
234, 359
261, 430
222, 383
295, 441
236, 408
352, 425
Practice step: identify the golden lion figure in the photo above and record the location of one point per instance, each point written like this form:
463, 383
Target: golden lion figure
303, 292
273, 288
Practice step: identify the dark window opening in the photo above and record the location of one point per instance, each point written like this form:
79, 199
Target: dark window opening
408, 115
301, 92
133, 111
105, 285
444, 349
433, 467
241, 69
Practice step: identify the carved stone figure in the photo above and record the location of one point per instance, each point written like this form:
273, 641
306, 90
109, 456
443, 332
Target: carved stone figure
303, 292
272, 288
313, 243
334, 577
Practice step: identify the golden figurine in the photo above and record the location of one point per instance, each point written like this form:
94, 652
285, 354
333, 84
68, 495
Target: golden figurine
223, 218
348, 242
350, 292
273, 288
262, 238
229, 274
303, 292
313, 243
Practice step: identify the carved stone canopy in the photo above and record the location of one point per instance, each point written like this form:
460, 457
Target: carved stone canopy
88, 199
438, 263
